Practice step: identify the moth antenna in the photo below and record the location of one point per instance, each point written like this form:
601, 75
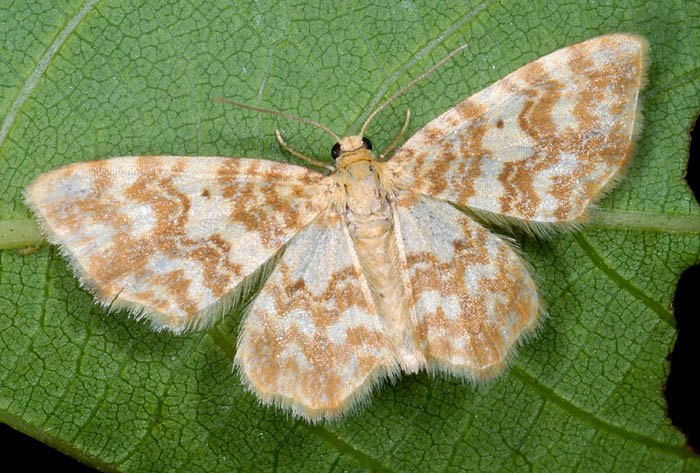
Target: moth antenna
398, 135
281, 114
408, 86
299, 155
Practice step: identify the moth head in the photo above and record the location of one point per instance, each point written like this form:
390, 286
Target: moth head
350, 144
352, 149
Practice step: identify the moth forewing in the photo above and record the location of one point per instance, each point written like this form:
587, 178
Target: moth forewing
540, 145
169, 238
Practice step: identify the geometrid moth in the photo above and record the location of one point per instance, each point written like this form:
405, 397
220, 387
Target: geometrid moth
380, 273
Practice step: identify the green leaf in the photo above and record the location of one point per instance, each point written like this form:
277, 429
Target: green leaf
83, 80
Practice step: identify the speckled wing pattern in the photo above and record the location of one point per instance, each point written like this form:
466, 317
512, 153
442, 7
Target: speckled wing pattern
313, 340
170, 237
472, 294
540, 144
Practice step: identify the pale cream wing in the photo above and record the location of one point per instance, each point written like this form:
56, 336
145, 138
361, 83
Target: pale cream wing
313, 341
170, 237
473, 297
540, 144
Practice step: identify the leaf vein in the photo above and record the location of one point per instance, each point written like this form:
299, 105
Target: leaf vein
597, 424
346, 449
663, 313
33, 80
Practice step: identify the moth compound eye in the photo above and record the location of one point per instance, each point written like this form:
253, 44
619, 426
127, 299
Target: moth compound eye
366, 143
335, 152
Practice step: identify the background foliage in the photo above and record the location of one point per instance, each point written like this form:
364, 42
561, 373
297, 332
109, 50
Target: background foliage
82, 80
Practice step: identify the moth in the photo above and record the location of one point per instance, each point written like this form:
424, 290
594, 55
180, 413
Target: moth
379, 272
